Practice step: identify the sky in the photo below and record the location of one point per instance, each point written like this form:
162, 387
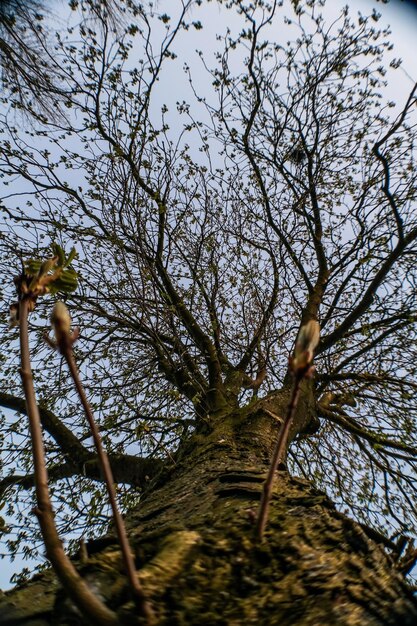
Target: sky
402, 17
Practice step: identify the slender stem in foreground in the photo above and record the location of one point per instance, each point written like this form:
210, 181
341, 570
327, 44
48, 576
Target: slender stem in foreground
88, 603
279, 451
301, 366
139, 595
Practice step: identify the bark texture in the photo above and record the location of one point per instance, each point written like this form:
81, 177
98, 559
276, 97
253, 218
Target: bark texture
199, 562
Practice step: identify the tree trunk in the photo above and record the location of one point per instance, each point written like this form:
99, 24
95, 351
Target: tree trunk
197, 555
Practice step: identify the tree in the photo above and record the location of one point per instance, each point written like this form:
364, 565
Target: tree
24, 54
209, 228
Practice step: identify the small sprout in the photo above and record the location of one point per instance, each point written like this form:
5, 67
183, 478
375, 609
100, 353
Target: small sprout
66, 282
64, 341
307, 340
47, 266
61, 321
59, 252
34, 281
37, 283
54, 275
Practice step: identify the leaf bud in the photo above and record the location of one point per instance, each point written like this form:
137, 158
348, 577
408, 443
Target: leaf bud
61, 321
307, 340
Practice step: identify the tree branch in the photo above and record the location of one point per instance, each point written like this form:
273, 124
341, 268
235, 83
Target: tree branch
351, 426
126, 468
367, 299
69, 444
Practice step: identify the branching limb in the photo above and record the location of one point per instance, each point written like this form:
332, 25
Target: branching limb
346, 422
365, 377
382, 158
63, 436
126, 468
368, 296
27, 481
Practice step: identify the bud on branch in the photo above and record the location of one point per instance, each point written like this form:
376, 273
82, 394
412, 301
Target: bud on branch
61, 323
301, 365
54, 275
60, 320
307, 341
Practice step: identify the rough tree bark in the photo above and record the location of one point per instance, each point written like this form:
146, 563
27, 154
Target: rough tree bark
196, 552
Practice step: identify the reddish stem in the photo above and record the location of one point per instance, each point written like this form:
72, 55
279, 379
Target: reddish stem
88, 603
139, 595
279, 451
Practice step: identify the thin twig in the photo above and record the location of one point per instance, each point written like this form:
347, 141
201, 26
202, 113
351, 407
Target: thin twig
301, 366
138, 593
280, 448
86, 601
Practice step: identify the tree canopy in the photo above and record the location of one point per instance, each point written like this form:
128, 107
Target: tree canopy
217, 200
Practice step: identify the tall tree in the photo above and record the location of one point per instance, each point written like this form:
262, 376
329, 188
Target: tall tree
213, 216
